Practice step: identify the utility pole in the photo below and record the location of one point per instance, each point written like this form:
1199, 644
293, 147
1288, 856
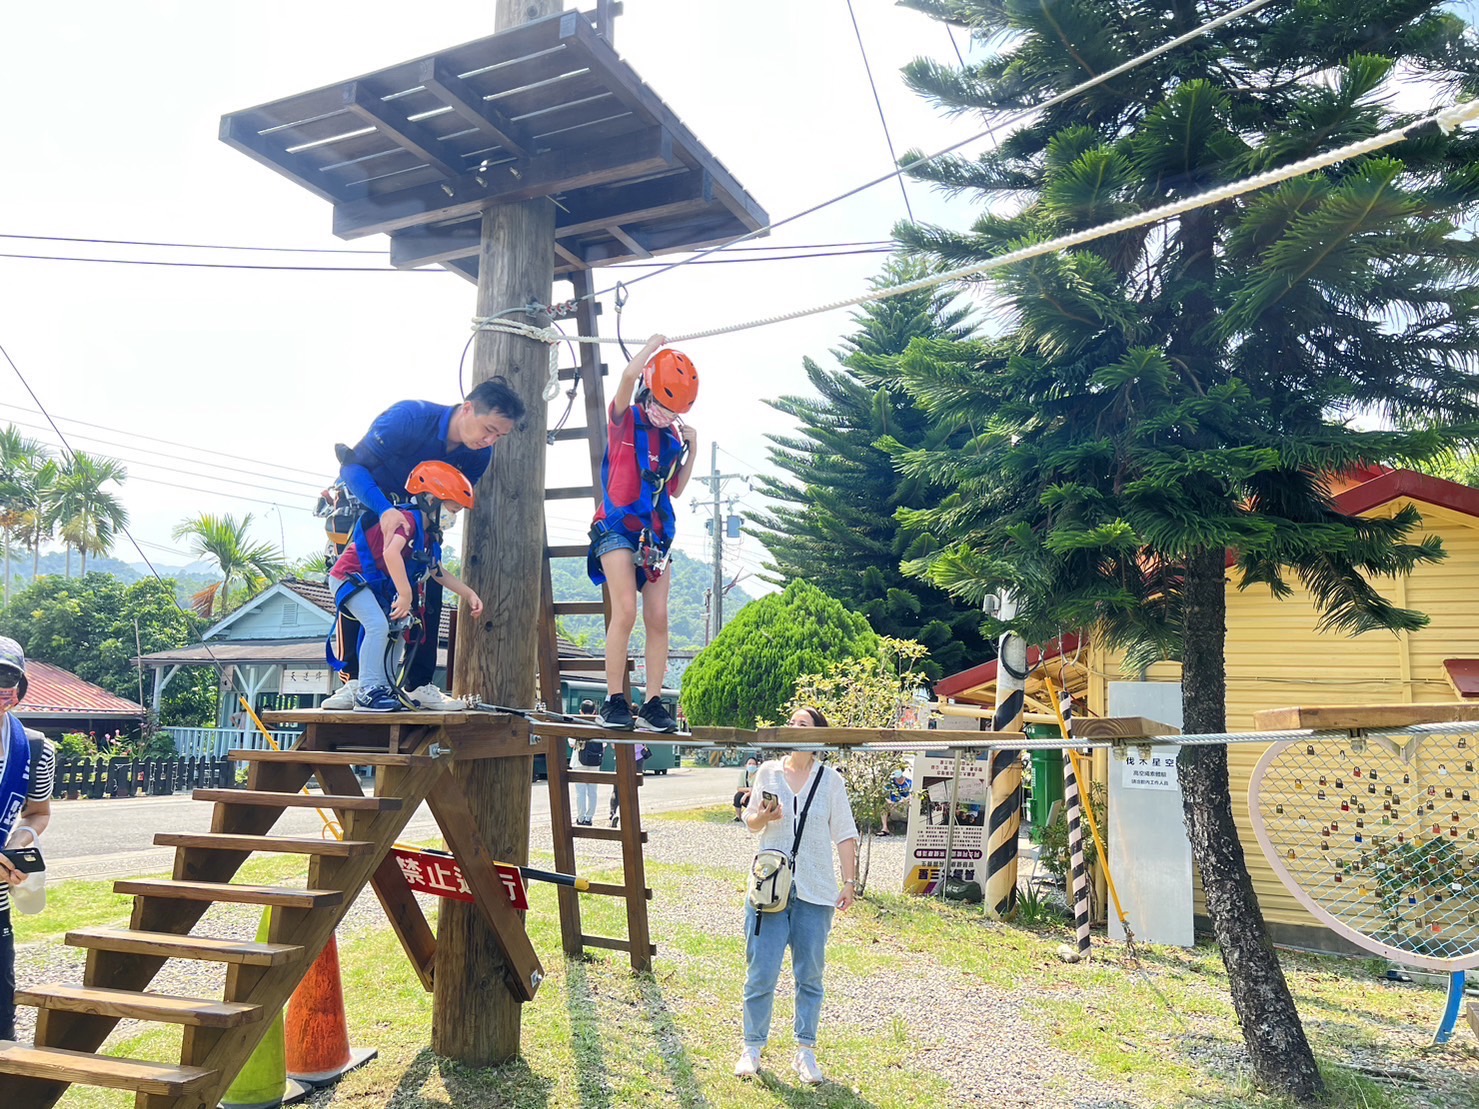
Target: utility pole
475, 1020
715, 481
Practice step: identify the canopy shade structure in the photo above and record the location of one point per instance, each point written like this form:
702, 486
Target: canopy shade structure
548, 108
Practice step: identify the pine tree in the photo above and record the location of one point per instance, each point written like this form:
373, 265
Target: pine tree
833, 524
1169, 398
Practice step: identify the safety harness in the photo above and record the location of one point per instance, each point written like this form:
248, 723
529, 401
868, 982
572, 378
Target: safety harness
425, 555
15, 779
660, 452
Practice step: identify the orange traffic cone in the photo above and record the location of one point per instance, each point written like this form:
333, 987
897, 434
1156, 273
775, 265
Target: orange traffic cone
317, 1033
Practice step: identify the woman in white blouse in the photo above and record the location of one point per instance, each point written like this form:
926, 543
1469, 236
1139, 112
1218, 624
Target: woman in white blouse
773, 812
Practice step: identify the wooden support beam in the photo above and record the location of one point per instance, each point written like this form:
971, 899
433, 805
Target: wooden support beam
460, 826
365, 105
468, 103
296, 168
648, 151
1119, 727
629, 241
1342, 717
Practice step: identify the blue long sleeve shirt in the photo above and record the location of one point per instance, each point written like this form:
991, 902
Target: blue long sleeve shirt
401, 438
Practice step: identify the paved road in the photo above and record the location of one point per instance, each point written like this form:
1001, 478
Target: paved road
115, 838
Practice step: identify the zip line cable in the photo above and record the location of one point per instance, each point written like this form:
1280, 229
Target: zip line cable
216, 265
878, 103
1446, 120
190, 246
990, 132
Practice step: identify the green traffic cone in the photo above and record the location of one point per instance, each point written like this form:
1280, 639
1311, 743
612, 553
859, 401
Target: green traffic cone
263, 1083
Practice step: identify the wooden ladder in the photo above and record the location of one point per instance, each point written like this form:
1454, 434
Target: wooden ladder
221, 1033
626, 778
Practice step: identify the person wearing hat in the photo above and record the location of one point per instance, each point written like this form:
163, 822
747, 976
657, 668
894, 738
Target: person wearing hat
27, 771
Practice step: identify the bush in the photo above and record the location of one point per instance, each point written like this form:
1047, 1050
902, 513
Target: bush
76, 745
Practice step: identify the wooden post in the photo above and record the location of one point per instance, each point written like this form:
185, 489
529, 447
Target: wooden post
475, 1020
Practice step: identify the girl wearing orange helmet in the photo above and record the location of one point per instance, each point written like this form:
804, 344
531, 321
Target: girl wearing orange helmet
649, 457
372, 582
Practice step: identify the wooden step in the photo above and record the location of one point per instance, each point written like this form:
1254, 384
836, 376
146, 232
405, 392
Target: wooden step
198, 1012
569, 372
269, 800
205, 949
611, 944
329, 758
573, 550
571, 493
579, 608
281, 845
85, 1069
582, 832
286, 897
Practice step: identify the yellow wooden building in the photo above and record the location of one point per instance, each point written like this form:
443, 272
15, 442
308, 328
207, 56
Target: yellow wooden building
1277, 656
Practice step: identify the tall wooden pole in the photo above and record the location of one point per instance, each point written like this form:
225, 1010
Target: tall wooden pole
475, 1019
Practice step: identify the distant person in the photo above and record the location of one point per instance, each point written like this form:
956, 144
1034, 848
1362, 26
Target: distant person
895, 799
376, 469
27, 773
640, 754
649, 457
742, 794
377, 577
787, 791
586, 754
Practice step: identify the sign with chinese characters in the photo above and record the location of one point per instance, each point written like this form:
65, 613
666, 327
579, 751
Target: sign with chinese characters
1151, 768
931, 804
314, 680
441, 875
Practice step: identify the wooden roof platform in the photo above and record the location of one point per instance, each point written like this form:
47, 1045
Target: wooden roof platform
548, 108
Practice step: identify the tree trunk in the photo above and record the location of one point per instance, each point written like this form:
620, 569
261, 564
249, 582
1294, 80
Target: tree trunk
1282, 1060
475, 1019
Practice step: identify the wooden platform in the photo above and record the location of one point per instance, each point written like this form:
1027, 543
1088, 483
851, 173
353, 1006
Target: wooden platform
419, 149
848, 737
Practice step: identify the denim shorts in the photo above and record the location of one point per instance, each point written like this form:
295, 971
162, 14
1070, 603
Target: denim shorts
616, 540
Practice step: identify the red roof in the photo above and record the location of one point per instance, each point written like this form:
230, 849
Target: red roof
52, 691
952, 684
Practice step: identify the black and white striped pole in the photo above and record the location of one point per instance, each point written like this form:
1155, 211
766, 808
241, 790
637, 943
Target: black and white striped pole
1004, 820
1073, 813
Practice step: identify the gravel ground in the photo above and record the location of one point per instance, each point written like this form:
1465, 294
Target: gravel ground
973, 1034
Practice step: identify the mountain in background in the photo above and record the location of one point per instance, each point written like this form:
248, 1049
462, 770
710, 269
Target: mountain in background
691, 578
188, 580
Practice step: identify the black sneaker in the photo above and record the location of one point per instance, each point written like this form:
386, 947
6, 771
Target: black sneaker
616, 714
654, 717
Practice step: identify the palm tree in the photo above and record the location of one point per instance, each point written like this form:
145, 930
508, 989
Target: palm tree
20, 458
87, 516
225, 541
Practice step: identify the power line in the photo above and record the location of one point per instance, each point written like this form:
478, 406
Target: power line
216, 265
893, 158
191, 246
153, 439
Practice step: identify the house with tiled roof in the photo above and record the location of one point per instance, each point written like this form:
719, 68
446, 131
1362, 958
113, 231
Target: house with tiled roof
58, 701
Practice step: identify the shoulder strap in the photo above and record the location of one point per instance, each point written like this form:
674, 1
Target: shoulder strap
806, 808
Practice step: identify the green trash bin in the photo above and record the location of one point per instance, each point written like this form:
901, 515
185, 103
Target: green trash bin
1047, 775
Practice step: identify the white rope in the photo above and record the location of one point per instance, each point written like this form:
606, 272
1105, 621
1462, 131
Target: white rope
1447, 120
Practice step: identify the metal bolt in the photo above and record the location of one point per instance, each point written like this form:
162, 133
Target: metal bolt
535, 977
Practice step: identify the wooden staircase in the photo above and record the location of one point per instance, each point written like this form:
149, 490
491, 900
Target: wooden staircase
626, 779
219, 1033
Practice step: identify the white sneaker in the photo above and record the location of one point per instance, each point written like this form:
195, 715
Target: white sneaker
807, 1069
343, 697
749, 1063
431, 699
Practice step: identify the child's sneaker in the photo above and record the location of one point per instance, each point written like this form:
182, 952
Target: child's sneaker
430, 698
616, 714
654, 717
343, 697
380, 698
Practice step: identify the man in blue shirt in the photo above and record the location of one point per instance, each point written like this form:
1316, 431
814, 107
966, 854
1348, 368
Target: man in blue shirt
416, 431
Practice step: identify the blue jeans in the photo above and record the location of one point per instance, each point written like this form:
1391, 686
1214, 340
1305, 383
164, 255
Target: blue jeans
375, 621
803, 927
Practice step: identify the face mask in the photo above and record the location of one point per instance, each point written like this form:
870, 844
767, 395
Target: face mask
9, 698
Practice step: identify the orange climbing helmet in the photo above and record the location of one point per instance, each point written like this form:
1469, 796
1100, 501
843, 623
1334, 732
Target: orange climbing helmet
672, 380
442, 481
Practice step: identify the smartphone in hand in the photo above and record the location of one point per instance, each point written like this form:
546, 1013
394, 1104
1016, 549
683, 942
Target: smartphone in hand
25, 859
768, 798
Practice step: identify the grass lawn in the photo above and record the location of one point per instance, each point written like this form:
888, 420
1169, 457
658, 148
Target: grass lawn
597, 1035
